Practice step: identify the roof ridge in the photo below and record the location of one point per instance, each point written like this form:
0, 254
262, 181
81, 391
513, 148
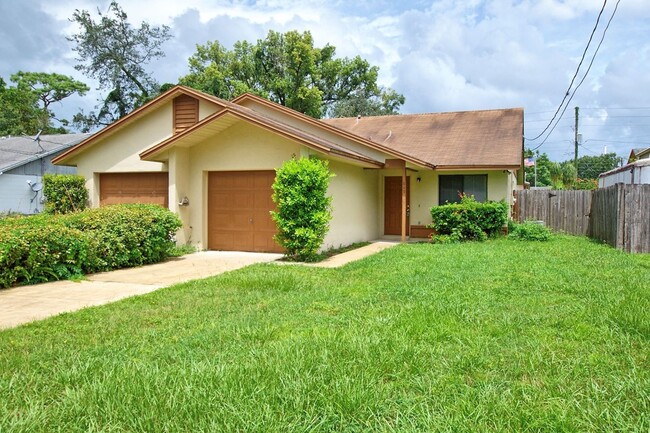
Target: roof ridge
424, 114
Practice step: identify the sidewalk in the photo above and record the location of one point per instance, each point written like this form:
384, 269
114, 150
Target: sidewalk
24, 304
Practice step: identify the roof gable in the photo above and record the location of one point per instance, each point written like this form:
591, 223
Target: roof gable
136, 114
222, 119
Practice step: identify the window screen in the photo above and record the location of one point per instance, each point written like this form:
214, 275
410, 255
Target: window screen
452, 186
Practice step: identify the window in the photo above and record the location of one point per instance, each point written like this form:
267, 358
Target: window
452, 186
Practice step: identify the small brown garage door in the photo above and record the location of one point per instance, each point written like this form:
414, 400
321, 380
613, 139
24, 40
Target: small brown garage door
239, 203
116, 188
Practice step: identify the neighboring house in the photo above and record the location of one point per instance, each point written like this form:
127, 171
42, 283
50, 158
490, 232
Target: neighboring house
212, 162
637, 154
23, 161
635, 173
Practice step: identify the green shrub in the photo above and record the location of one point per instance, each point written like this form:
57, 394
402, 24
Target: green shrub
42, 251
64, 193
529, 231
303, 208
585, 184
468, 220
52, 247
126, 235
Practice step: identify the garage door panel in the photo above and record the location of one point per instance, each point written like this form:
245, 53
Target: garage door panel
238, 211
118, 188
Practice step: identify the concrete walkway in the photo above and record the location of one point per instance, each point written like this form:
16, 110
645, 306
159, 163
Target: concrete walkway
24, 304
351, 256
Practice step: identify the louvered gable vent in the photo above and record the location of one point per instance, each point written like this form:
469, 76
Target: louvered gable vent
186, 113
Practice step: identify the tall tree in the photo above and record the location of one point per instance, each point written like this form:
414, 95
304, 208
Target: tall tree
115, 53
25, 107
48, 88
18, 111
288, 69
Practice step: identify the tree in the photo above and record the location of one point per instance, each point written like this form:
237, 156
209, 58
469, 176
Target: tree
48, 88
540, 174
18, 108
303, 208
569, 174
363, 104
20, 112
589, 167
115, 53
288, 69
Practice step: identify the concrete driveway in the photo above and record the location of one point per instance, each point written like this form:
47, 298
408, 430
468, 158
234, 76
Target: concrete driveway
27, 303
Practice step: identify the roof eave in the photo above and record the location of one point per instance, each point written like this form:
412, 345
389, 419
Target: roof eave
477, 167
333, 129
152, 152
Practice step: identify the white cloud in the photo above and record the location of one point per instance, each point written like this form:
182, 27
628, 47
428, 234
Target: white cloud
443, 55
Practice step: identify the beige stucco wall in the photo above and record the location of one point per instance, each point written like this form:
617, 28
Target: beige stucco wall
355, 205
240, 147
244, 147
120, 152
206, 108
424, 194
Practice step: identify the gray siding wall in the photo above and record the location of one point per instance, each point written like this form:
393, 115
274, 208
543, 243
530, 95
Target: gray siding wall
17, 196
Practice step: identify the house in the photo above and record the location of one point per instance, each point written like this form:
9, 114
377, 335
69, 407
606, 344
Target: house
636, 154
212, 162
634, 173
23, 161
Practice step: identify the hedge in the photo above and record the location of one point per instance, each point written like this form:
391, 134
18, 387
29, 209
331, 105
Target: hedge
51, 247
64, 193
468, 220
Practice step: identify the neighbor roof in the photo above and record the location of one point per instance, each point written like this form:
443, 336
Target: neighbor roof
639, 153
465, 139
18, 151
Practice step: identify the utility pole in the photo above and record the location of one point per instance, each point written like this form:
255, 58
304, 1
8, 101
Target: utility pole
575, 142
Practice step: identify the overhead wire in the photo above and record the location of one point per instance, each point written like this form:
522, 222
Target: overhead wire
568, 90
602, 38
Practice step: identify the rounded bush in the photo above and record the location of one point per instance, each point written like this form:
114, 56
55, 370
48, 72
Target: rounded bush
53, 247
530, 231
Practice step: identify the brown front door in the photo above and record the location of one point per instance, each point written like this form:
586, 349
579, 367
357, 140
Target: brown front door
239, 203
117, 188
393, 205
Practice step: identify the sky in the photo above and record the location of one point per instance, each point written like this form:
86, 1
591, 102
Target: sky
441, 55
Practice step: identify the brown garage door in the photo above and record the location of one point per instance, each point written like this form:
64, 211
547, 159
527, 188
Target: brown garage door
238, 211
116, 188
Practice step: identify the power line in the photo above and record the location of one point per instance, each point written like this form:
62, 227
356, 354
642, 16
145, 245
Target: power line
621, 142
566, 94
602, 38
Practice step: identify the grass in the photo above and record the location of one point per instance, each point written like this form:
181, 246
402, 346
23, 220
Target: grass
331, 252
495, 336
181, 250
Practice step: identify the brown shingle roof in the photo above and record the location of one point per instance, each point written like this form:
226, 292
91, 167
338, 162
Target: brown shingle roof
488, 138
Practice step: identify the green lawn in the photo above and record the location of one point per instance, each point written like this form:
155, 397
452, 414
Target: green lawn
495, 336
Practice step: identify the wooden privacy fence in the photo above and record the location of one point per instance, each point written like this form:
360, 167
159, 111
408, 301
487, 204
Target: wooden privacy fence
565, 211
618, 215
